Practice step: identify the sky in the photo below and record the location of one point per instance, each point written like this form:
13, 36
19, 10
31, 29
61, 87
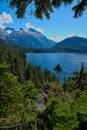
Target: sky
61, 25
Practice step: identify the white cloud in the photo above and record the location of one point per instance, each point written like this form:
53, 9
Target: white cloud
70, 35
81, 35
5, 18
60, 38
56, 38
29, 25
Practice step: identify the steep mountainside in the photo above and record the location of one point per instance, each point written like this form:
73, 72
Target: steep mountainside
6, 44
28, 39
72, 44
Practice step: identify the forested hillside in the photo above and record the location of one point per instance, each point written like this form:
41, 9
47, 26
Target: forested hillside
71, 44
33, 99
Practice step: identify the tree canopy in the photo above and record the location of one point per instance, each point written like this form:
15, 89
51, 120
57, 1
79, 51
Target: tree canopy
33, 99
44, 7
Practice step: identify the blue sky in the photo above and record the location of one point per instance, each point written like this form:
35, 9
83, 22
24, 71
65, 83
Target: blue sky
61, 24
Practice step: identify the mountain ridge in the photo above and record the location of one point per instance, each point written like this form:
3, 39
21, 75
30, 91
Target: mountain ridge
36, 42
26, 38
71, 44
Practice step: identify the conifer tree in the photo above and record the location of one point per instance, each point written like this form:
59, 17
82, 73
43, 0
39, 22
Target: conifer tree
81, 78
45, 7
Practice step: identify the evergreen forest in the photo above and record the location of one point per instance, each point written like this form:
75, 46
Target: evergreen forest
33, 99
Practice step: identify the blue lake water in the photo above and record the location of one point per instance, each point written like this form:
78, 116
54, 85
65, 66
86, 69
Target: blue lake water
68, 61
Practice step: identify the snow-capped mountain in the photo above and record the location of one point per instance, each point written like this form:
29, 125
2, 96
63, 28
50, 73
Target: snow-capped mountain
3, 33
26, 38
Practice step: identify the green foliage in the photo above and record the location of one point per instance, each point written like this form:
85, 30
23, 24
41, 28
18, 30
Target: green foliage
19, 83
9, 96
67, 119
48, 118
80, 8
23, 86
29, 93
81, 80
78, 82
42, 7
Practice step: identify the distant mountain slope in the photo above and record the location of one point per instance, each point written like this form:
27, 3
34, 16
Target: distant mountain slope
72, 44
4, 43
28, 39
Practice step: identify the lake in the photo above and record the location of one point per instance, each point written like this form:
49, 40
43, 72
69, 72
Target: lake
68, 61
